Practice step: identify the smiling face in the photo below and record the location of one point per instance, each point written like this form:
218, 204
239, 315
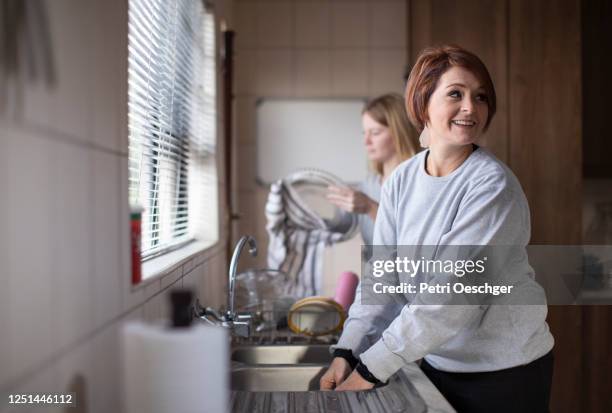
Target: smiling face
457, 110
377, 139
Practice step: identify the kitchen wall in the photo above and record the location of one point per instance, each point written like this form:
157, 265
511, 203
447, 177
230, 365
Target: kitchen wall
309, 49
64, 245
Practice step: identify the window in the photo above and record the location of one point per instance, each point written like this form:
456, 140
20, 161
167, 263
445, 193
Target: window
172, 122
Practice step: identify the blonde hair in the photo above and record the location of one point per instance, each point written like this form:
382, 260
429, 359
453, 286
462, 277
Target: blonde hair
389, 111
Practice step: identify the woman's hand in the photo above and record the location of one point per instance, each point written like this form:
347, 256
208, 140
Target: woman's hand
355, 382
338, 370
352, 200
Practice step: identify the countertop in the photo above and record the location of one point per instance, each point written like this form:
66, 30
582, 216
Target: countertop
409, 390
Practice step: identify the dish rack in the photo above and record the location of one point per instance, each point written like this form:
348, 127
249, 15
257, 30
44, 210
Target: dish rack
270, 327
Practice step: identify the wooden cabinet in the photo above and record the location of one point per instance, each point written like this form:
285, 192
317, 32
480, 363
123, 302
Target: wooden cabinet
534, 51
597, 87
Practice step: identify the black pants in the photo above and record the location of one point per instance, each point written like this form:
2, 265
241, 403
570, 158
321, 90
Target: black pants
522, 389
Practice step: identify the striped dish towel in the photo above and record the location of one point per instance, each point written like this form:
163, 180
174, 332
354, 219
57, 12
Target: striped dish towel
298, 236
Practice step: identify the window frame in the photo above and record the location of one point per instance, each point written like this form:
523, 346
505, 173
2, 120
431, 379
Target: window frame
167, 258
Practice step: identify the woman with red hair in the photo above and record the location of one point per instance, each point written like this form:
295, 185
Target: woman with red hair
484, 357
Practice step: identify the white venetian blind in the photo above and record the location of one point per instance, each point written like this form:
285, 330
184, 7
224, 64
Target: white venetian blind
172, 120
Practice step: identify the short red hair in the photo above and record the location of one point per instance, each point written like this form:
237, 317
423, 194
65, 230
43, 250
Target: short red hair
431, 64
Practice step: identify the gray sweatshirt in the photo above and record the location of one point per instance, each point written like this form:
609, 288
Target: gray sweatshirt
479, 203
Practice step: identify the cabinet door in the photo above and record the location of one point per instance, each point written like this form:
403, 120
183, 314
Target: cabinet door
597, 88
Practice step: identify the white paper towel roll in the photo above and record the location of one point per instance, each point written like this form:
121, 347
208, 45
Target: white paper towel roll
178, 370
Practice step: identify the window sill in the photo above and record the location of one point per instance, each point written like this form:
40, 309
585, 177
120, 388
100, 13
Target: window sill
158, 267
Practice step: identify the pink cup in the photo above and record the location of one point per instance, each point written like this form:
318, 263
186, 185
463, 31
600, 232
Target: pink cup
345, 289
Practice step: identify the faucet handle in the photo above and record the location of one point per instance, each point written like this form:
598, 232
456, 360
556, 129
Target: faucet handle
243, 317
241, 326
200, 311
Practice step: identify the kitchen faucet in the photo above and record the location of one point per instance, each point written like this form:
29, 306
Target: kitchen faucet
239, 324
230, 314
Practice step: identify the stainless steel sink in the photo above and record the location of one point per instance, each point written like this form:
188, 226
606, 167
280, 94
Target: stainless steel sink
294, 388
282, 354
285, 378
277, 378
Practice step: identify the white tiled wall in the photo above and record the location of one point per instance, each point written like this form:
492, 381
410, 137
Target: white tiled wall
312, 24
64, 244
349, 21
66, 109
312, 72
279, 43
106, 272
349, 72
309, 49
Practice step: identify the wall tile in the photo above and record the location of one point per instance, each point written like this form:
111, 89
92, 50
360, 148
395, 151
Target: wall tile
71, 229
75, 374
137, 314
106, 379
37, 103
65, 107
387, 24
32, 266
199, 277
345, 256
109, 75
275, 73
313, 73
161, 305
205, 286
217, 276
248, 218
169, 280
349, 23
5, 372
312, 24
165, 305
201, 258
245, 127
247, 160
274, 24
245, 73
188, 266
44, 381
106, 224
386, 71
152, 308
246, 24
205, 294
190, 282
350, 72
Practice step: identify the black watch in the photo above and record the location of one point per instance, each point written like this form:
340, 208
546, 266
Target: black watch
363, 371
347, 355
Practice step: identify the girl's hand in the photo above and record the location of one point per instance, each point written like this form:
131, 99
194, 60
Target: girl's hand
355, 382
352, 200
338, 370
